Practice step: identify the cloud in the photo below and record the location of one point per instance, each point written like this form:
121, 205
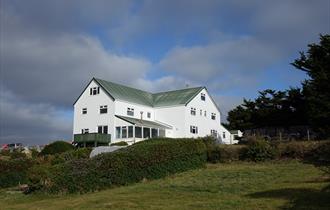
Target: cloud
28, 123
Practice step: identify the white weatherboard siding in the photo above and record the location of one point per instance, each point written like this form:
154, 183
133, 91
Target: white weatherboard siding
93, 118
176, 119
203, 123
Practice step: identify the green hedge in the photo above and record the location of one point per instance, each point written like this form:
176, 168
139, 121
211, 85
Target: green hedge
150, 159
79, 153
121, 143
225, 153
56, 147
14, 171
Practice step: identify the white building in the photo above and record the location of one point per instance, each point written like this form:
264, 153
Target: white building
107, 112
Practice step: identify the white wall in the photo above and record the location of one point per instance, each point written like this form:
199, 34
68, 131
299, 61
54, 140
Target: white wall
204, 124
173, 116
121, 109
93, 118
228, 137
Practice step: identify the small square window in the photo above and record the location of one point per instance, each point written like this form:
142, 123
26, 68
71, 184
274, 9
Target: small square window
130, 111
84, 111
94, 90
193, 129
85, 130
102, 129
213, 116
149, 115
205, 113
224, 135
202, 96
103, 109
214, 133
193, 111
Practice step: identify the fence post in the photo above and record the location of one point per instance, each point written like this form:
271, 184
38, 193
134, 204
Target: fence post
308, 134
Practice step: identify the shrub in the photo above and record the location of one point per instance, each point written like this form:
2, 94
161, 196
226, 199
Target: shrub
295, 149
259, 150
79, 153
56, 147
14, 171
225, 153
121, 143
150, 159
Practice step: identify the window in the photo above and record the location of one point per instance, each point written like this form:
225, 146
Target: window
205, 113
202, 96
84, 111
213, 116
85, 130
102, 129
124, 132
103, 109
130, 131
154, 133
148, 114
146, 132
161, 132
214, 133
201, 112
193, 111
94, 90
224, 135
118, 132
130, 111
138, 132
193, 129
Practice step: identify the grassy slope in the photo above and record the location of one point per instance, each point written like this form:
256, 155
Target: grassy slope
222, 186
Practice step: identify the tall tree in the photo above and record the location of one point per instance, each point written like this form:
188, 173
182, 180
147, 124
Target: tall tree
316, 89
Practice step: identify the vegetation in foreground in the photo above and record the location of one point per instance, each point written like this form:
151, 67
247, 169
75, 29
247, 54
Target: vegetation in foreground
238, 185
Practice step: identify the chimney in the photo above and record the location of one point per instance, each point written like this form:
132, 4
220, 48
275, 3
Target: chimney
141, 115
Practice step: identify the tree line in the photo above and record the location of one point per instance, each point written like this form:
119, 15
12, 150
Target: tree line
308, 105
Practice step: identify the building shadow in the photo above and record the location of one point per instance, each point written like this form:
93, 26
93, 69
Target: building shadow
302, 198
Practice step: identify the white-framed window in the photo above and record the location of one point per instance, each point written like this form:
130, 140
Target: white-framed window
149, 115
104, 109
213, 116
204, 113
202, 96
193, 129
214, 133
102, 129
130, 131
84, 111
94, 91
124, 132
193, 111
118, 132
130, 111
224, 135
201, 112
85, 130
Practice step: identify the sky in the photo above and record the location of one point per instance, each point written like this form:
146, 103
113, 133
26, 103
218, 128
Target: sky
50, 50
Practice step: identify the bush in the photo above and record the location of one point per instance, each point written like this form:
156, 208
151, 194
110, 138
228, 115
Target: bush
80, 153
14, 171
150, 159
56, 147
296, 149
225, 153
259, 150
121, 143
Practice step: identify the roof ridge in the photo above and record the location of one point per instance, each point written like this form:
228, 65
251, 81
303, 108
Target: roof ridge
179, 89
123, 85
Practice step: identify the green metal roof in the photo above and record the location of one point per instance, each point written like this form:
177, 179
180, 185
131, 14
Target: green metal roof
144, 123
169, 98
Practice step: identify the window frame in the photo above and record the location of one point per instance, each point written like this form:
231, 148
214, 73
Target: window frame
148, 115
85, 130
103, 129
84, 111
213, 116
193, 129
94, 91
102, 108
130, 111
203, 97
193, 111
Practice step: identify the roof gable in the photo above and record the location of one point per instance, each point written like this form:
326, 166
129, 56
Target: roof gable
168, 98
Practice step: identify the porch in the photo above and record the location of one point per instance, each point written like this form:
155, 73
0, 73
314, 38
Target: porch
92, 139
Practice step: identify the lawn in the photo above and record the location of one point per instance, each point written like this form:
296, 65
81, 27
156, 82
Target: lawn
271, 185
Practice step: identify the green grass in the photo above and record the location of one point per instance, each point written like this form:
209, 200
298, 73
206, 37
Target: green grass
271, 185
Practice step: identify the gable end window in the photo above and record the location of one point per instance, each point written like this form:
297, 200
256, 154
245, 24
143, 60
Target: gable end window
102, 129
202, 96
84, 111
94, 90
103, 109
193, 111
213, 116
130, 111
193, 129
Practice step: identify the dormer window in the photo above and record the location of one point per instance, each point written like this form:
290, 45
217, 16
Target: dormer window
202, 96
130, 111
94, 90
103, 109
193, 111
213, 116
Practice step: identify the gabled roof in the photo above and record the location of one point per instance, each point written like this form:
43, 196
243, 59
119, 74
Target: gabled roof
168, 98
